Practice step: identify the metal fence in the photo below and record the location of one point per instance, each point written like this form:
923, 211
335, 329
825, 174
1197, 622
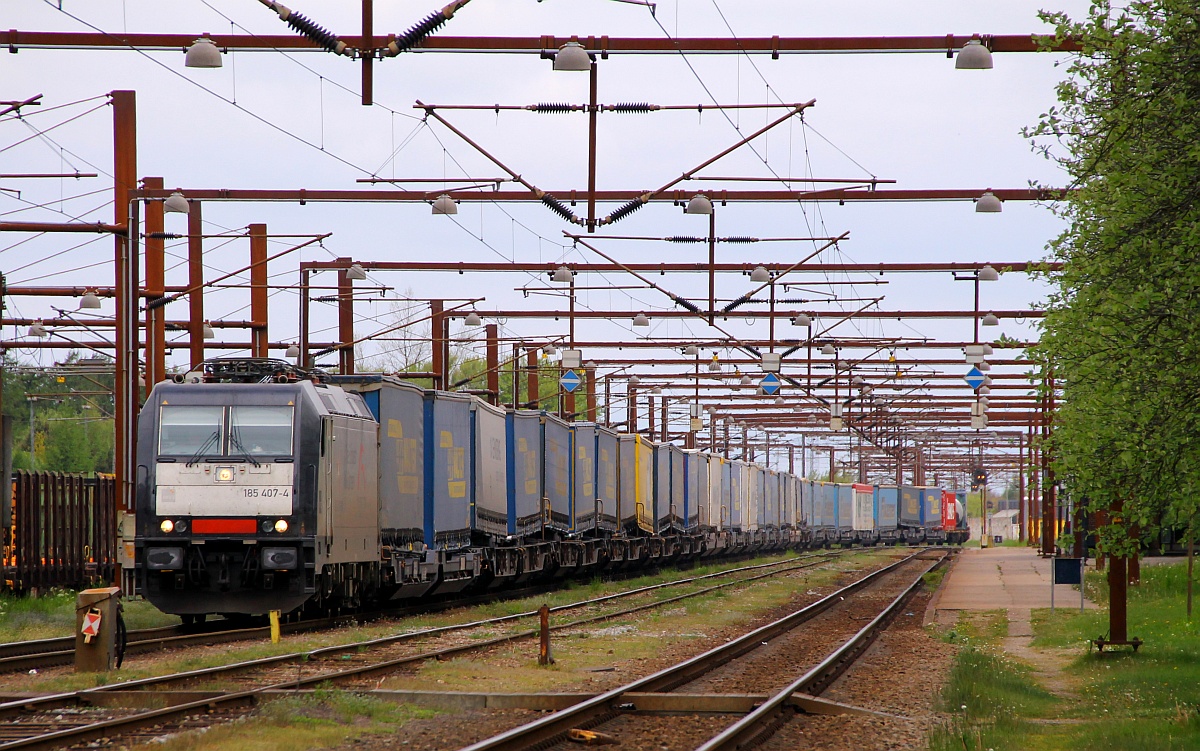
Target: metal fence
63, 531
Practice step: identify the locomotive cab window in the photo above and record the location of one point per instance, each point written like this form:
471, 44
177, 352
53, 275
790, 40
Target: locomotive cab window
199, 431
261, 431
189, 430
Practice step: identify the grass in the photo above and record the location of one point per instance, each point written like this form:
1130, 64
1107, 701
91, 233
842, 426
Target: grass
53, 615
989, 697
1123, 701
323, 719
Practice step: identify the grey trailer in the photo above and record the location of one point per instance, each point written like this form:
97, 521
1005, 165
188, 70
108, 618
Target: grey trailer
556, 478
910, 507
886, 507
583, 473
845, 511
738, 475
490, 489
604, 509
523, 430
696, 491
680, 510
400, 408
448, 475
931, 514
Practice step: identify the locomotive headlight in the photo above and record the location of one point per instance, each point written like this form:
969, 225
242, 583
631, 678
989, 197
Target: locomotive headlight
181, 526
167, 525
224, 474
281, 526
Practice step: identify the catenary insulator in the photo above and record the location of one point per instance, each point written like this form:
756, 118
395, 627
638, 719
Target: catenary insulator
554, 108
632, 107
740, 301
416, 34
626, 210
688, 304
321, 36
558, 207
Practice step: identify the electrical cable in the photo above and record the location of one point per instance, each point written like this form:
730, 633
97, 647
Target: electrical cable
172, 71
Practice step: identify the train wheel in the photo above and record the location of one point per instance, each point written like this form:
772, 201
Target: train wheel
192, 620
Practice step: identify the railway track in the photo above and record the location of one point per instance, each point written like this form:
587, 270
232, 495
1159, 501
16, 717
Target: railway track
46, 653
658, 694
57, 720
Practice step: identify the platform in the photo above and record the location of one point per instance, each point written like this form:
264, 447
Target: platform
1002, 578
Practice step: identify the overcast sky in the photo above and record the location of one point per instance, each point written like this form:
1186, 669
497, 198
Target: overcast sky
297, 123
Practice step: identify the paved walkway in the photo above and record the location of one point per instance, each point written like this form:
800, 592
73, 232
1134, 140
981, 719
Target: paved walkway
1015, 580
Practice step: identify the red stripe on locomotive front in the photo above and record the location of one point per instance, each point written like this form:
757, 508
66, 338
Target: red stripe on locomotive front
224, 526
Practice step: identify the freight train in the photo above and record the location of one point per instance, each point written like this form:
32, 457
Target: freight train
261, 487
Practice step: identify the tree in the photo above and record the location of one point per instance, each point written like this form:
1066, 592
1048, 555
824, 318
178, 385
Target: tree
72, 431
1122, 331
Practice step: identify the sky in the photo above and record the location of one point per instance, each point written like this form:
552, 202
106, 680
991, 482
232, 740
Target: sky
267, 119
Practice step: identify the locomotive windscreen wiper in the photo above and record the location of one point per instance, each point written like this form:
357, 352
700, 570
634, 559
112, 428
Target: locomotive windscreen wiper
204, 447
237, 444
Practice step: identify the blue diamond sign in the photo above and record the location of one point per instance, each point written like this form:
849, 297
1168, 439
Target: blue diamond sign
769, 384
974, 378
570, 381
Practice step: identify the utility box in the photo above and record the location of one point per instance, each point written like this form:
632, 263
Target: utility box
97, 612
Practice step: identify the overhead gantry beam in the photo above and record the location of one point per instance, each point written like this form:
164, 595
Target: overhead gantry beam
604, 46
828, 195
462, 267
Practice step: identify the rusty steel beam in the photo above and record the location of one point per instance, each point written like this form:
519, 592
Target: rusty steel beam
840, 195
98, 227
775, 46
462, 267
196, 284
723, 343
125, 270
155, 336
109, 323
742, 313
754, 362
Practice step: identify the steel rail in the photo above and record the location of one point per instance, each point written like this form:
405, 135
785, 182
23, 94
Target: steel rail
761, 723
106, 728
39, 653
585, 714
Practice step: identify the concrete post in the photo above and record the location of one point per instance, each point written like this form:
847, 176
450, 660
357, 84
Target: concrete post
96, 642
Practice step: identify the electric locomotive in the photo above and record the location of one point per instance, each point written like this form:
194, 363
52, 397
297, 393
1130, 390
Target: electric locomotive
238, 467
